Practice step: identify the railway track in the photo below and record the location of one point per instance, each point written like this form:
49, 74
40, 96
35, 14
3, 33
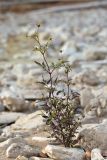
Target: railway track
52, 5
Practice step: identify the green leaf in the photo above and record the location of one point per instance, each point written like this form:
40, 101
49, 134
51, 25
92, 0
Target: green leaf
43, 64
48, 81
38, 63
55, 81
43, 83
60, 91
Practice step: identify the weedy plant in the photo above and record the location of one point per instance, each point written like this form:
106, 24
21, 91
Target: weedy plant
62, 104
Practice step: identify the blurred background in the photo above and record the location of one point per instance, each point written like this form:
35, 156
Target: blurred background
78, 28
22, 5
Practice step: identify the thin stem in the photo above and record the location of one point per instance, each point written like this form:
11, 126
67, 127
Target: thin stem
48, 67
46, 63
43, 53
68, 88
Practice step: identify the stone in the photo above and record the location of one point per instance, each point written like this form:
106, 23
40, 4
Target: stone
43, 155
97, 106
92, 107
94, 136
88, 155
2, 107
4, 145
8, 78
9, 117
95, 53
102, 90
96, 154
85, 96
86, 77
2, 138
104, 153
10, 92
69, 48
16, 104
9, 132
90, 118
16, 149
21, 158
42, 142
102, 74
30, 121
62, 153
21, 69
38, 158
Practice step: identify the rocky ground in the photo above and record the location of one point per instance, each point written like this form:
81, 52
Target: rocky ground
82, 35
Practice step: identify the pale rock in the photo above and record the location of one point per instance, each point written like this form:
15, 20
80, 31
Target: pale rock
86, 77
6, 132
2, 138
27, 81
9, 117
91, 31
16, 149
4, 145
7, 65
21, 158
90, 118
94, 136
16, 104
2, 107
34, 72
21, 69
31, 32
1, 131
42, 142
69, 48
8, 78
38, 158
93, 53
11, 92
102, 74
62, 153
97, 106
30, 121
92, 108
96, 154
9, 132
75, 60
85, 96
103, 33
102, 90
25, 55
